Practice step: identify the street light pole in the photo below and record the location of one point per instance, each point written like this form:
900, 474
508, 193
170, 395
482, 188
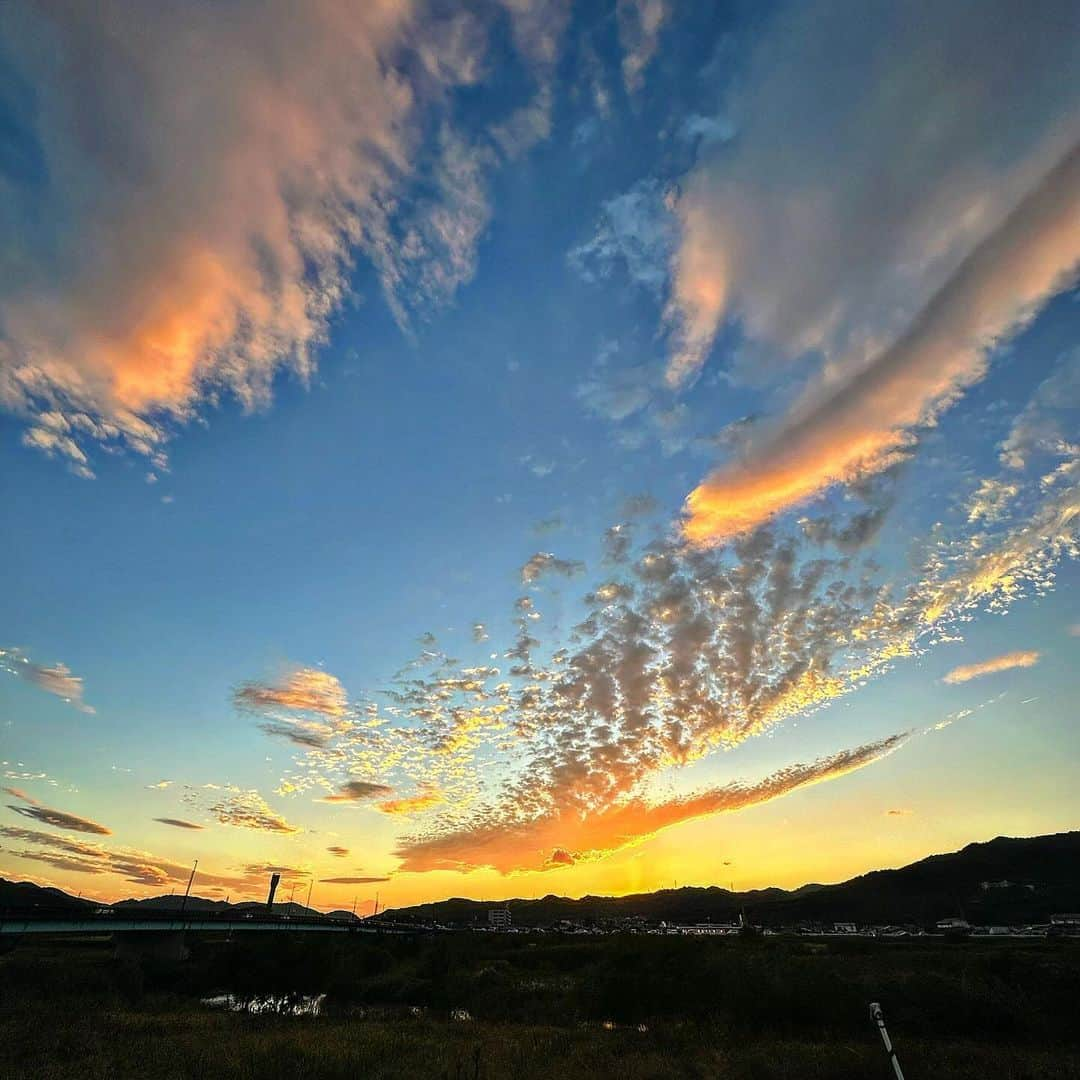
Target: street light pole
183, 903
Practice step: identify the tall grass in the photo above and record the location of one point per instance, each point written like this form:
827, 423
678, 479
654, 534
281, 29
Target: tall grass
545, 1007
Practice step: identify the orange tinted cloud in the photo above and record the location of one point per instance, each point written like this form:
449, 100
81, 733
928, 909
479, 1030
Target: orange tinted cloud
847, 429
559, 838
787, 228
207, 235
1006, 662
305, 690
415, 804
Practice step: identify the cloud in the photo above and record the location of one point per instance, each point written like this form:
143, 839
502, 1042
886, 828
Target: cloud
1050, 420
351, 880
57, 679
338, 852
636, 231
302, 690
684, 651
59, 819
179, 823
479, 633
249, 810
426, 799
67, 844
1006, 662
357, 791
797, 237
897, 812
844, 429
590, 835
539, 467
639, 23
138, 867
204, 206
433, 251
559, 857
990, 502
617, 393
544, 562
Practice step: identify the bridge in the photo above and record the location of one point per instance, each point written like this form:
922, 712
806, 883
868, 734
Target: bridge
165, 933
15, 923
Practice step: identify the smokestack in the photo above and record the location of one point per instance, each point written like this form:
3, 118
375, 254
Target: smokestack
273, 889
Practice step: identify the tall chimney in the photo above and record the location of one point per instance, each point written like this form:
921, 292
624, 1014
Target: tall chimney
273, 889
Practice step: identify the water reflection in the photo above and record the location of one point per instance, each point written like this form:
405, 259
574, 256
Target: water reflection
269, 1004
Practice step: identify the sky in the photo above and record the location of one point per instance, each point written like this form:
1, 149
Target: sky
521, 447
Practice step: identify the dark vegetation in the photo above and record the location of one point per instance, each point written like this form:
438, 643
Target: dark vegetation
624, 1005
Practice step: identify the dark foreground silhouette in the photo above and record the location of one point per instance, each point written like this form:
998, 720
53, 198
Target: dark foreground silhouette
487, 1005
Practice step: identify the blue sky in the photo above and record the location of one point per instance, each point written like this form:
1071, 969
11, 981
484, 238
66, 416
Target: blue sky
304, 363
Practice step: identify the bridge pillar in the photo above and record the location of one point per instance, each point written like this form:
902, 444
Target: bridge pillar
168, 945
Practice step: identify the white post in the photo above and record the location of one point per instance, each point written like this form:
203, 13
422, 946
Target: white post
879, 1019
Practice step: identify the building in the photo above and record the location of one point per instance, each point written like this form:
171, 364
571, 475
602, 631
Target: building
1072, 921
953, 925
499, 918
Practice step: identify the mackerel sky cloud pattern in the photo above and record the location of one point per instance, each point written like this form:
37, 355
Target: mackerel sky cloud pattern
453, 442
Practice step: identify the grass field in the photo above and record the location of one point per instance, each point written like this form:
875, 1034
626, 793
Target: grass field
630, 1007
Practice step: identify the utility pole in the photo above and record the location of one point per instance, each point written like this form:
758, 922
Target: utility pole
183, 903
311, 885
354, 899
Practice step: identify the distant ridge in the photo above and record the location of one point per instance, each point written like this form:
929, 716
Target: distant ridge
1042, 875
1044, 870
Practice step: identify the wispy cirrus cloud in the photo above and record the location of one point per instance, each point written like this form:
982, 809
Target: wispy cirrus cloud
756, 216
639, 24
57, 679
847, 428
886, 301
636, 232
195, 246
1024, 658
1050, 420
59, 819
